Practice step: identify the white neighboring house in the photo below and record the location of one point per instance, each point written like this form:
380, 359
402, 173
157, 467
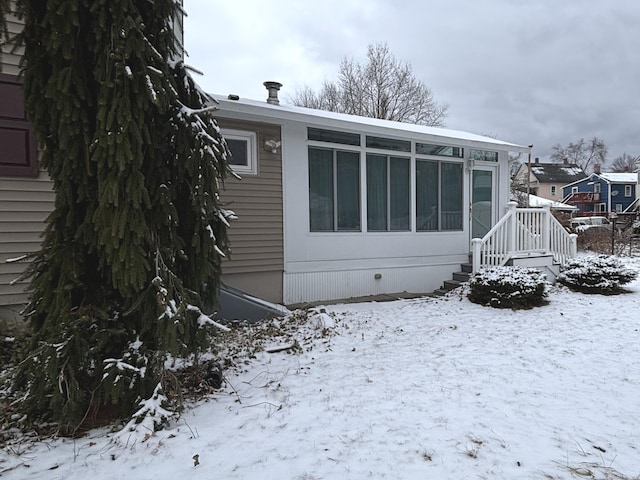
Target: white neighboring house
333, 206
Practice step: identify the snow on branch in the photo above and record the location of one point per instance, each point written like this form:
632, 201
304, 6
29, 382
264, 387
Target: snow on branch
204, 320
149, 418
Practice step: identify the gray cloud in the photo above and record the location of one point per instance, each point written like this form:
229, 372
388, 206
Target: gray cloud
539, 72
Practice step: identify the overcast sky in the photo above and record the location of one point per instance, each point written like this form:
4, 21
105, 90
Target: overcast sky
536, 72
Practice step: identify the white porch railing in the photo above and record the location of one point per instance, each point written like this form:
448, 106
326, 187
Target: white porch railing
524, 232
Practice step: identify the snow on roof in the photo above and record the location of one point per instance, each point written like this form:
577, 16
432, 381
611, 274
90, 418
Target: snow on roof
557, 172
572, 170
620, 177
324, 117
535, 201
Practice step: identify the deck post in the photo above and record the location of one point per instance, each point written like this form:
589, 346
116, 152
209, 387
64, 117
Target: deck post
573, 244
546, 229
513, 225
476, 244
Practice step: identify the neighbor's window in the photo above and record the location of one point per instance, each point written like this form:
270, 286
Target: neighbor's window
553, 190
618, 207
387, 193
244, 157
574, 189
438, 196
627, 190
334, 190
596, 188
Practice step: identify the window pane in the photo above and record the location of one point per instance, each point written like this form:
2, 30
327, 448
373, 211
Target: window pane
348, 194
427, 194
333, 136
320, 190
451, 196
389, 144
484, 155
399, 193
376, 192
239, 151
441, 150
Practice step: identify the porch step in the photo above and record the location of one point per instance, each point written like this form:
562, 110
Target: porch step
533, 260
542, 262
458, 278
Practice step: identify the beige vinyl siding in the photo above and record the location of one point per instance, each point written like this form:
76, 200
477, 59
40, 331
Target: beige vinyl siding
25, 204
257, 253
11, 61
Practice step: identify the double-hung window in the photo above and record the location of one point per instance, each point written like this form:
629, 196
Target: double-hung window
388, 205
334, 190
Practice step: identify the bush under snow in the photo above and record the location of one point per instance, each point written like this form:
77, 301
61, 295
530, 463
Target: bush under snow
508, 287
596, 274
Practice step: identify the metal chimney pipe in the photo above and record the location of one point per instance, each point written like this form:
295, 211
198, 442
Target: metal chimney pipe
273, 88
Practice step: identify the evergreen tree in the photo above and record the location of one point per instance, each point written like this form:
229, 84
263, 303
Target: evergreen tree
132, 250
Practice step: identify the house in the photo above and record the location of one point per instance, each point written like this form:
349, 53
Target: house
603, 193
547, 179
334, 206
330, 206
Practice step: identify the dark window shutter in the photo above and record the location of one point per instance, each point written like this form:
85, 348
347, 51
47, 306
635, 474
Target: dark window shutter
18, 151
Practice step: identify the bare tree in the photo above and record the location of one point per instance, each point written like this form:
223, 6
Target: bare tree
382, 88
583, 153
626, 163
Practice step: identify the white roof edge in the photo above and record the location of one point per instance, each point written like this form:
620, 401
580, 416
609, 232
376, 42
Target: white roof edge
320, 117
616, 177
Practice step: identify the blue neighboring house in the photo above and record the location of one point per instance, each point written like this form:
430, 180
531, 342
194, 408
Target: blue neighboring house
603, 193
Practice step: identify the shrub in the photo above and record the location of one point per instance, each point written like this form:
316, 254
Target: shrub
596, 274
508, 287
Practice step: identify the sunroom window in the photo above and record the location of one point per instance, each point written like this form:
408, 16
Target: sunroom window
438, 196
334, 190
388, 193
484, 155
439, 150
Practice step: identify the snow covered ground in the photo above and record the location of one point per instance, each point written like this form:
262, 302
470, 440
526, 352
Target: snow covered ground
413, 389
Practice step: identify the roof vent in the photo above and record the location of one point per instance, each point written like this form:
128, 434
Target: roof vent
273, 88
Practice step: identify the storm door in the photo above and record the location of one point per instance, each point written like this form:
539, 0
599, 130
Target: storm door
482, 201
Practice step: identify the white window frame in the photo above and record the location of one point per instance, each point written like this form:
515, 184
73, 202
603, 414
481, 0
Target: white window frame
601, 207
627, 190
596, 187
554, 189
251, 168
574, 190
618, 208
